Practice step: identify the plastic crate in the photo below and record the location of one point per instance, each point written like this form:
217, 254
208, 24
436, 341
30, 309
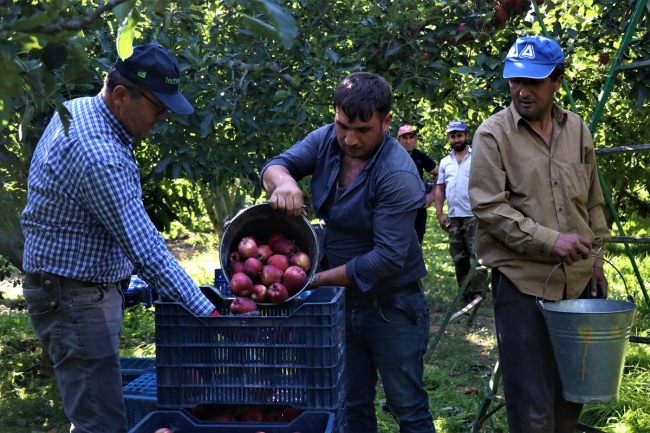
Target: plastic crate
308, 422
293, 353
140, 398
221, 283
132, 368
139, 292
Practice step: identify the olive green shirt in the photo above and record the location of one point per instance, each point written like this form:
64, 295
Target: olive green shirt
525, 193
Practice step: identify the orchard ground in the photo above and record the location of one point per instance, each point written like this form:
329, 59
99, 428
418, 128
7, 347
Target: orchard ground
455, 376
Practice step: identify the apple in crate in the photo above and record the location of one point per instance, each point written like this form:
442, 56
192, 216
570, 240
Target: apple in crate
252, 414
277, 293
241, 305
164, 430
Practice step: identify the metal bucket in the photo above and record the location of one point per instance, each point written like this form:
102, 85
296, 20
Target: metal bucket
260, 221
589, 339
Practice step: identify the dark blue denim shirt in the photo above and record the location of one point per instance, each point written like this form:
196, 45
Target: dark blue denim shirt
370, 227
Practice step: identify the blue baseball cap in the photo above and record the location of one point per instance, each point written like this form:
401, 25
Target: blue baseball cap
456, 125
154, 68
532, 57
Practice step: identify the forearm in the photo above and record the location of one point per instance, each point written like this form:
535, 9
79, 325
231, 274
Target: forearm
331, 277
275, 176
440, 200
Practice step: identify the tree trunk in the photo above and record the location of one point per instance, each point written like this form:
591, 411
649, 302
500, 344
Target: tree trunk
12, 244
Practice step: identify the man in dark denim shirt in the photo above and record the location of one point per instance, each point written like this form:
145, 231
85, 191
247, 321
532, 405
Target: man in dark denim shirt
367, 190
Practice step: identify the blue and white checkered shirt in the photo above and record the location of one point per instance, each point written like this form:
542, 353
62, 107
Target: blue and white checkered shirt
455, 177
85, 218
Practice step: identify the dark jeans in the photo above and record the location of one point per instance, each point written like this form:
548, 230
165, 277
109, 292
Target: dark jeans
531, 382
387, 339
80, 327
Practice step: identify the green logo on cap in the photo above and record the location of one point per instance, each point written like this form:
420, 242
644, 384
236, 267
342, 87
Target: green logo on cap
142, 74
172, 80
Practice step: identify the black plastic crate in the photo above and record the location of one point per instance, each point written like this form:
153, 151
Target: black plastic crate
308, 422
140, 398
293, 353
132, 368
221, 283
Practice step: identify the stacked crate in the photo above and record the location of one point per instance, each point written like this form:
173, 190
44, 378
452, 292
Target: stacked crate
140, 398
292, 354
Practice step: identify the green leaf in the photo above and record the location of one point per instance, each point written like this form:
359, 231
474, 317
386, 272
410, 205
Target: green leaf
125, 35
206, 125
393, 49
31, 22
260, 28
162, 165
188, 171
281, 95
283, 21
464, 70
123, 10
332, 55
54, 56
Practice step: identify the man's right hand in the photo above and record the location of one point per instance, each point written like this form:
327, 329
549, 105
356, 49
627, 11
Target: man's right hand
570, 248
287, 198
444, 223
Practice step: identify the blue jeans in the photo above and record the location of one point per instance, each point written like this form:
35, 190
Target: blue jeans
80, 328
387, 339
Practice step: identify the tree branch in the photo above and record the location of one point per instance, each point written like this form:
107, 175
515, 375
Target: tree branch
53, 29
237, 65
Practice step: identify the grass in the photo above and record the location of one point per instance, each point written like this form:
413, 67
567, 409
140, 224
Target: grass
455, 376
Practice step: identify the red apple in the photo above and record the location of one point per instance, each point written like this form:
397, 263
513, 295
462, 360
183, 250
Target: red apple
520, 7
274, 237
265, 252
270, 274
241, 284
277, 293
500, 17
235, 266
221, 417
258, 294
252, 414
539, 2
252, 267
164, 430
283, 246
506, 3
294, 279
247, 248
234, 256
279, 261
301, 259
241, 305
603, 59
274, 415
289, 414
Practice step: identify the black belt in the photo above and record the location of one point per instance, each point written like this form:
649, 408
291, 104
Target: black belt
45, 279
395, 299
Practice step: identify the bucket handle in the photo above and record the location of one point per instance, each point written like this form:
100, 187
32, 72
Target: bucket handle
630, 298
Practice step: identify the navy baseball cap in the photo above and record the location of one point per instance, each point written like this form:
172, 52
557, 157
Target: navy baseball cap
154, 68
456, 125
532, 57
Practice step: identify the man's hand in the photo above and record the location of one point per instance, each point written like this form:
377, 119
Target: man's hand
444, 223
598, 281
571, 247
429, 198
287, 198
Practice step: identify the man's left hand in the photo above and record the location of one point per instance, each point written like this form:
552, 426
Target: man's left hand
598, 281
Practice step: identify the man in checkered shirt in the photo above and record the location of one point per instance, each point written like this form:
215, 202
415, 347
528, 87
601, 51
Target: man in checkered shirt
86, 228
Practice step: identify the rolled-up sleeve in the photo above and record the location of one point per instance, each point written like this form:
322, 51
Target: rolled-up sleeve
489, 201
398, 199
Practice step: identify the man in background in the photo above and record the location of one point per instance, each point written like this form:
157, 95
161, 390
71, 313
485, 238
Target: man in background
453, 179
409, 140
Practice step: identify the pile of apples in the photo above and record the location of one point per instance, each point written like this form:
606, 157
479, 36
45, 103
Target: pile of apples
245, 413
265, 271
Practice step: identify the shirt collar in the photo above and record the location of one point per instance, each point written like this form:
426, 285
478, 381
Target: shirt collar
469, 150
557, 113
117, 127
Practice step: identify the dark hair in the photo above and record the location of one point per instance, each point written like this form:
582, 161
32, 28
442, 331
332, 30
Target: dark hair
361, 94
114, 79
559, 70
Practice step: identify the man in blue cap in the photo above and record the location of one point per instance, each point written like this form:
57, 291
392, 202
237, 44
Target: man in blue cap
86, 228
535, 193
453, 180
